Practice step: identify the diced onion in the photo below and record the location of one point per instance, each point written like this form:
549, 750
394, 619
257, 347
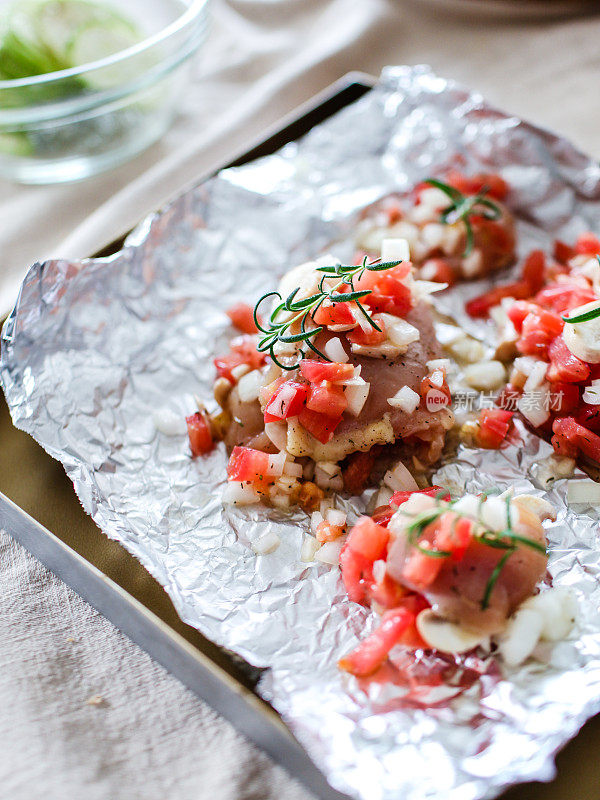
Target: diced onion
379, 569
536, 376
329, 553
363, 322
583, 491
406, 399
356, 394
486, 375
266, 543
316, 518
591, 395
292, 469
534, 407
169, 423
309, 547
336, 517
329, 467
473, 263
521, 636
395, 250
277, 433
239, 371
558, 608
329, 482
399, 479
240, 494
249, 386
276, 465
494, 513
438, 363
334, 350
433, 235
402, 333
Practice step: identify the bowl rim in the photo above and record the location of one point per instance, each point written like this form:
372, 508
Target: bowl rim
186, 19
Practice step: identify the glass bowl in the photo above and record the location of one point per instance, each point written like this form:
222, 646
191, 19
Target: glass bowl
68, 125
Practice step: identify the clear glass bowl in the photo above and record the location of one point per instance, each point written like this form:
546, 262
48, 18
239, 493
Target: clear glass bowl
68, 125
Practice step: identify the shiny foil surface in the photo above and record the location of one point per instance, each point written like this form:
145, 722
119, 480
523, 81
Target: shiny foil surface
94, 348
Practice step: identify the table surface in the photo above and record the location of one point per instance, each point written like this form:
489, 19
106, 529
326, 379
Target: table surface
84, 710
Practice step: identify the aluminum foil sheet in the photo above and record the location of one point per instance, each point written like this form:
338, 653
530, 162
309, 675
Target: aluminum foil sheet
93, 348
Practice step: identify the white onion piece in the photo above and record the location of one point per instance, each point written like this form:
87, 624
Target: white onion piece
536, 376
362, 321
316, 518
534, 406
356, 394
383, 350
266, 543
438, 363
406, 399
494, 512
402, 333
591, 395
473, 263
276, 465
336, 517
334, 350
309, 547
249, 386
239, 371
558, 608
329, 553
395, 250
379, 570
486, 375
292, 469
240, 494
169, 423
277, 433
521, 635
399, 479
326, 480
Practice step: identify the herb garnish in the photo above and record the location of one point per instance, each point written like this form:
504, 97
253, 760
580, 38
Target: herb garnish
463, 207
506, 539
593, 313
304, 310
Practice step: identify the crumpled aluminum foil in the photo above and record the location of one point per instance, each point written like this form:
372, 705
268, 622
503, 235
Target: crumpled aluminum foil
94, 348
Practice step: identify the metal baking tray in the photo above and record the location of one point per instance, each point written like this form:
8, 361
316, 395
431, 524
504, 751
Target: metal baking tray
39, 509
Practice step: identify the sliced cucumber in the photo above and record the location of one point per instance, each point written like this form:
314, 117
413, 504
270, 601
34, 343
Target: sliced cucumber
15, 144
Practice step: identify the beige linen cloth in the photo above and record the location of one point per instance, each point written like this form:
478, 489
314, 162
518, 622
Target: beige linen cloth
149, 737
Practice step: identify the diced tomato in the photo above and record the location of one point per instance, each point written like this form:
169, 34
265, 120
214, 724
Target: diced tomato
243, 351
564, 398
317, 371
434, 491
201, 440
326, 398
368, 337
326, 532
496, 185
375, 280
588, 416
357, 472
480, 306
382, 515
564, 447
248, 465
372, 652
368, 539
421, 570
387, 593
564, 366
287, 401
389, 294
533, 270
394, 213
539, 329
319, 425
563, 253
492, 237
438, 270
357, 572
518, 312
453, 535
335, 314
242, 317
586, 441
494, 424
587, 244
562, 297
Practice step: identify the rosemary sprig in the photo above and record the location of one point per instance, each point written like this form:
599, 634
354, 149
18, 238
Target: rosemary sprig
587, 315
463, 207
303, 311
507, 539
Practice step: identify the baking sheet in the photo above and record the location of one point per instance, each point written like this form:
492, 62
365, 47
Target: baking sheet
94, 348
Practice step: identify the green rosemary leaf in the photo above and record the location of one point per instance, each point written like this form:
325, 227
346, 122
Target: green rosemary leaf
593, 313
485, 601
303, 336
349, 296
368, 316
452, 193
